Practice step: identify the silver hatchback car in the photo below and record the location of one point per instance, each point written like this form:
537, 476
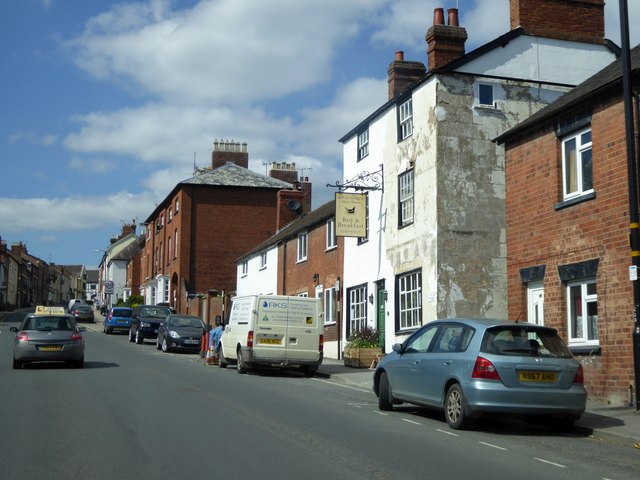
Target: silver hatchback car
48, 336
470, 367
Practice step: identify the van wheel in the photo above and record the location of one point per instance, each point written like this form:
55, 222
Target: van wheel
132, 338
222, 362
309, 371
239, 363
139, 338
385, 397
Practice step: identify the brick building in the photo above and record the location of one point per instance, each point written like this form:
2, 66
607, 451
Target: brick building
304, 258
567, 210
197, 232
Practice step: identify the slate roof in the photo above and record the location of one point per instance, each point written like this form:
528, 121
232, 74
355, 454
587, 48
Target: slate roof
232, 175
607, 81
305, 222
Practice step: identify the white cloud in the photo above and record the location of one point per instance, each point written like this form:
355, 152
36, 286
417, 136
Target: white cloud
30, 137
220, 50
73, 213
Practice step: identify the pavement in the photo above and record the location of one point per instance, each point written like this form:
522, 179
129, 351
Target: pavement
620, 424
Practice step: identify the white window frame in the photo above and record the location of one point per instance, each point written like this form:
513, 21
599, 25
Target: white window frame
175, 246
357, 308
329, 299
410, 300
332, 239
363, 144
244, 269
406, 198
405, 119
535, 303
578, 325
168, 250
263, 260
578, 168
490, 89
303, 245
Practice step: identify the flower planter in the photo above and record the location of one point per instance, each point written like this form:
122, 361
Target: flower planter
361, 357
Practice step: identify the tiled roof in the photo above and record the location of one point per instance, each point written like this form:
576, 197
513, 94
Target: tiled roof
232, 175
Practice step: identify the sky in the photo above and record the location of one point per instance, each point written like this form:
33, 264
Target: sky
105, 106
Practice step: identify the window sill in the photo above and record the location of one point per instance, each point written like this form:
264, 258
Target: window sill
262, 268
575, 201
585, 350
329, 324
329, 249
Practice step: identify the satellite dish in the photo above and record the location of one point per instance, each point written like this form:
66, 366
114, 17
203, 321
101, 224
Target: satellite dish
294, 205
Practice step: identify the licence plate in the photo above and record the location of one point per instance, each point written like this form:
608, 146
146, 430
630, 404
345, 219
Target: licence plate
50, 348
270, 341
541, 377
191, 342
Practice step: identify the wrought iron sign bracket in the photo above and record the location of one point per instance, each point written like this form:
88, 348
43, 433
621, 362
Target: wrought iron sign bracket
365, 181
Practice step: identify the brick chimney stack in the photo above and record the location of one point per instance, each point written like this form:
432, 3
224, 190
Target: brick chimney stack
225, 151
302, 189
575, 20
403, 73
445, 43
128, 229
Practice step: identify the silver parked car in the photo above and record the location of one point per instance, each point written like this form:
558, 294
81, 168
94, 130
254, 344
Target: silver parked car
48, 336
470, 367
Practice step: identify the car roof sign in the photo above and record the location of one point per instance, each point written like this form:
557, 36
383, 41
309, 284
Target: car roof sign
42, 310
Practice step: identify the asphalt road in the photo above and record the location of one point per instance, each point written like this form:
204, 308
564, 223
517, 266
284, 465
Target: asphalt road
134, 412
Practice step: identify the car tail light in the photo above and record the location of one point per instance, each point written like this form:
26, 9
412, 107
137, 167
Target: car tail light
76, 337
579, 375
484, 369
250, 338
22, 337
321, 343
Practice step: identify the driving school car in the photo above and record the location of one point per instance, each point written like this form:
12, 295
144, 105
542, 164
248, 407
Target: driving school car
48, 335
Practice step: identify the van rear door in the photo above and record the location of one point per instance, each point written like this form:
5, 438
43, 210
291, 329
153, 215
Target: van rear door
287, 329
303, 334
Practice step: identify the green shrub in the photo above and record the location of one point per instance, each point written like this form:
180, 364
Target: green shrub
366, 337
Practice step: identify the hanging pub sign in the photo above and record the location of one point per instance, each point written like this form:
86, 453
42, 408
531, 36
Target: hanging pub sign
351, 215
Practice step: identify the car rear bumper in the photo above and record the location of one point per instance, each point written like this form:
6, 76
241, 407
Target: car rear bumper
493, 397
30, 353
118, 325
181, 344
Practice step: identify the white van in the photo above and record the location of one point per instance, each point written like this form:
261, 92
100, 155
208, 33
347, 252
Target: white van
273, 330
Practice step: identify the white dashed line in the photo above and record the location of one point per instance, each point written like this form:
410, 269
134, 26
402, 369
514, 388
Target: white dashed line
492, 446
447, 432
550, 463
410, 421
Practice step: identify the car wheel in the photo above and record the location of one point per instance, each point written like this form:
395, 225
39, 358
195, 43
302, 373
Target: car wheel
454, 408
239, 364
158, 342
139, 339
132, 338
165, 345
385, 398
17, 364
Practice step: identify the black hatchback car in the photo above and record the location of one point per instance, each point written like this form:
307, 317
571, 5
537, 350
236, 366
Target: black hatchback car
145, 322
180, 332
82, 312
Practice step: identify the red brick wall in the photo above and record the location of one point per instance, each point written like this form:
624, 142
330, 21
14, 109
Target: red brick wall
298, 277
538, 234
576, 20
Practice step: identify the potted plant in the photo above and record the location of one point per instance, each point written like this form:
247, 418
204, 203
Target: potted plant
363, 348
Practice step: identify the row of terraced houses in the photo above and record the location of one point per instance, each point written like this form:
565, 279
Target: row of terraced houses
495, 185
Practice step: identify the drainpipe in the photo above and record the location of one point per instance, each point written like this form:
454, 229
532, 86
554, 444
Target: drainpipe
634, 222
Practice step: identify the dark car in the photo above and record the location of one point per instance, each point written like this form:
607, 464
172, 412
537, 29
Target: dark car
145, 322
180, 332
471, 367
82, 312
118, 318
49, 335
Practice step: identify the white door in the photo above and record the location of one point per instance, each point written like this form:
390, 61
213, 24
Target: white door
535, 303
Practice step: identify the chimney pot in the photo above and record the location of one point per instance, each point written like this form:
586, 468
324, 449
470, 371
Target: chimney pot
453, 17
399, 56
438, 16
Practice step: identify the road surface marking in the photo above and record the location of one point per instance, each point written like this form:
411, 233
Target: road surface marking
550, 463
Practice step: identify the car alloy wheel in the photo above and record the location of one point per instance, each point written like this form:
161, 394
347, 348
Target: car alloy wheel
132, 338
139, 339
454, 408
165, 345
